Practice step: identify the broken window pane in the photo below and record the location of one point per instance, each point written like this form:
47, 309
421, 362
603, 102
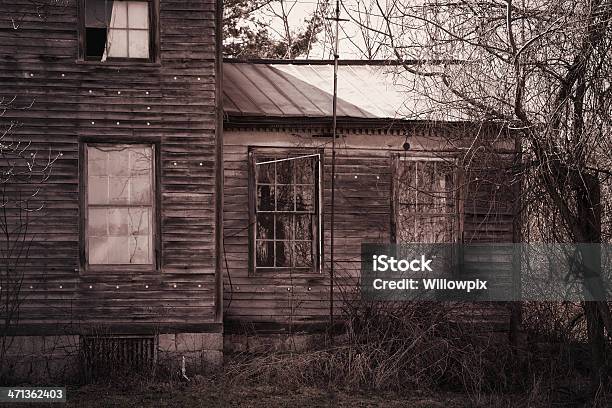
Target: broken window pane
286, 209
97, 20
116, 29
95, 40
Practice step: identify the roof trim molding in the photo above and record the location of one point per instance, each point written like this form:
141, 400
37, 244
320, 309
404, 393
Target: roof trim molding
342, 62
322, 127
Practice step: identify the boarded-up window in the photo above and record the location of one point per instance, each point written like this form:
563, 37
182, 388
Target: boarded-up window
425, 194
117, 29
287, 221
120, 204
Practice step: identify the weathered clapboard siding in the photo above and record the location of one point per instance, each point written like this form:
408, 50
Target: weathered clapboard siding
363, 213
173, 103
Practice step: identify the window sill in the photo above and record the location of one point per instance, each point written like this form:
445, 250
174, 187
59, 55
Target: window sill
120, 64
287, 274
114, 270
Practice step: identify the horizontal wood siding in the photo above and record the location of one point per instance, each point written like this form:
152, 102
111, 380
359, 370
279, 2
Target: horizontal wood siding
489, 212
363, 214
171, 103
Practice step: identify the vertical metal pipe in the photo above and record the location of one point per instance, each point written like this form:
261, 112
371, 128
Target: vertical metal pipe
333, 176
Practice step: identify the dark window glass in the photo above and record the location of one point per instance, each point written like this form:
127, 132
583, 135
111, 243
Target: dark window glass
287, 212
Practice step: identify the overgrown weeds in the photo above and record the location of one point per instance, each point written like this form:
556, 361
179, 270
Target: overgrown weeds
413, 346
421, 348
394, 347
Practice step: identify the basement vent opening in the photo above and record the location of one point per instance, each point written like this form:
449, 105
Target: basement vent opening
105, 355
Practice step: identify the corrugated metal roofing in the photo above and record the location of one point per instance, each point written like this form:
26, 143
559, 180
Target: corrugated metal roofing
305, 90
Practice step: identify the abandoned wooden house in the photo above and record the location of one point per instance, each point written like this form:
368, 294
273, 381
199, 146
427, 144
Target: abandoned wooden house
168, 221
123, 256
407, 169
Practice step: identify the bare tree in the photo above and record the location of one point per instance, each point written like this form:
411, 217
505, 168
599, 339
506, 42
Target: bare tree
271, 28
369, 38
23, 174
542, 69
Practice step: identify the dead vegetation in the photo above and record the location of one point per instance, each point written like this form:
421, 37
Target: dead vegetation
405, 347
411, 354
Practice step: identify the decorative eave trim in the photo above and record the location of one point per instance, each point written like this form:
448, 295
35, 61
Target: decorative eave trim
322, 126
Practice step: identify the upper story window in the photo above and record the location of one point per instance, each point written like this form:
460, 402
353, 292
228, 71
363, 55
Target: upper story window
286, 211
425, 200
119, 204
118, 30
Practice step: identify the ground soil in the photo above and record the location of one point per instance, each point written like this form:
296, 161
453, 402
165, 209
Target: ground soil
211, 394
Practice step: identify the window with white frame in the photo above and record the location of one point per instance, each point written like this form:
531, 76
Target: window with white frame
120, 201
425, 200
286, 212
116, 29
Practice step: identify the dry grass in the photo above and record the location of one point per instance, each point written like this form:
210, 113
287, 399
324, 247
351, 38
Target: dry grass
205, 392
404, 347
391, 348
393, 355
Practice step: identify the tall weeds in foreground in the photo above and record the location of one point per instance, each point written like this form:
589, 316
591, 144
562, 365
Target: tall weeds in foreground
413, 346
394, 347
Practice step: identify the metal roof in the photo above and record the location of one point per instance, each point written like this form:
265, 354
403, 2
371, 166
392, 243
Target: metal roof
365, 91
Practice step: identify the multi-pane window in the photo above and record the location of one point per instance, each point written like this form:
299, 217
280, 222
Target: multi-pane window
287, 221
117, 29
425, 194
120, 204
